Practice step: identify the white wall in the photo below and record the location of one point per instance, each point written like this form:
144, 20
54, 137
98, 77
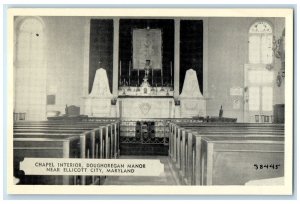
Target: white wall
65, 39
227, 54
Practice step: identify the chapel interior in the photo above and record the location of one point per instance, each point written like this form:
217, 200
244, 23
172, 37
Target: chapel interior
150, 83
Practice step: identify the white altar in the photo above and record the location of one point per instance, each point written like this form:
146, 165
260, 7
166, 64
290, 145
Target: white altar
146, 107
144, 101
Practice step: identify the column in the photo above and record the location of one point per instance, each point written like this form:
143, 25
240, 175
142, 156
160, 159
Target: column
205, 57
115, 57
86, 57
205, 62
85, 106
176, 57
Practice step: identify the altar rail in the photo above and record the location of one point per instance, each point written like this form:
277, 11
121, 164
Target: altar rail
196, 148
57, 139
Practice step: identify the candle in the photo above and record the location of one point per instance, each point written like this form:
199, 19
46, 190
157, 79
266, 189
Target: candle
138, 76
171, 69
129, 71
129, 68
152, 76
162, 80
171, 73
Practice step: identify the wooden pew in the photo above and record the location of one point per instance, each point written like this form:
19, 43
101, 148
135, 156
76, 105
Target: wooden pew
111, 133
191, 142
173, 126
181, 142
98, 142
231, 161
175, 140
46, 148
86, 147
87, 140
243, 126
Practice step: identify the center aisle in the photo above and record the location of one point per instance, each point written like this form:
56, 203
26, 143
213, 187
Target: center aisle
167, 178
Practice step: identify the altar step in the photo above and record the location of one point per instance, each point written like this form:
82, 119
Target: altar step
144, 149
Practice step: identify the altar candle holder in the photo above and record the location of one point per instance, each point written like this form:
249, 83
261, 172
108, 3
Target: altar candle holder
152, 88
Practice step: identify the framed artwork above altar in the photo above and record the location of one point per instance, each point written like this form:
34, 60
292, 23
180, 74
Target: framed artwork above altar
140, 39
147, 45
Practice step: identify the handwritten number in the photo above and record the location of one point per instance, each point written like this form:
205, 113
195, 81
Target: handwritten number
256, 166
266, 166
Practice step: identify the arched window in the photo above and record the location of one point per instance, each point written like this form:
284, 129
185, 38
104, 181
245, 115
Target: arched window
30, 70
259, 76
260, 43
30, 42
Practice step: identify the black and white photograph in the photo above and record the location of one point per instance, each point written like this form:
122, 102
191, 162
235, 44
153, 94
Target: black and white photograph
150, 101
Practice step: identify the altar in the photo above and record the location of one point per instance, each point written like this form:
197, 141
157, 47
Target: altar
146, 107
145, 101
145, 84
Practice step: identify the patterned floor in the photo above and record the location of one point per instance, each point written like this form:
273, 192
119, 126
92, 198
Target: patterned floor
168, 177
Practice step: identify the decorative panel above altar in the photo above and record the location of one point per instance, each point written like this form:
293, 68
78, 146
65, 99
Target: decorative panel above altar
147, 45
146, 51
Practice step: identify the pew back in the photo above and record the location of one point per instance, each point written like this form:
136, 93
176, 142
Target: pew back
186, 142
94, 140
235, 161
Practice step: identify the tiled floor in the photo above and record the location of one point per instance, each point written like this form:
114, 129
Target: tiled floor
167, 178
